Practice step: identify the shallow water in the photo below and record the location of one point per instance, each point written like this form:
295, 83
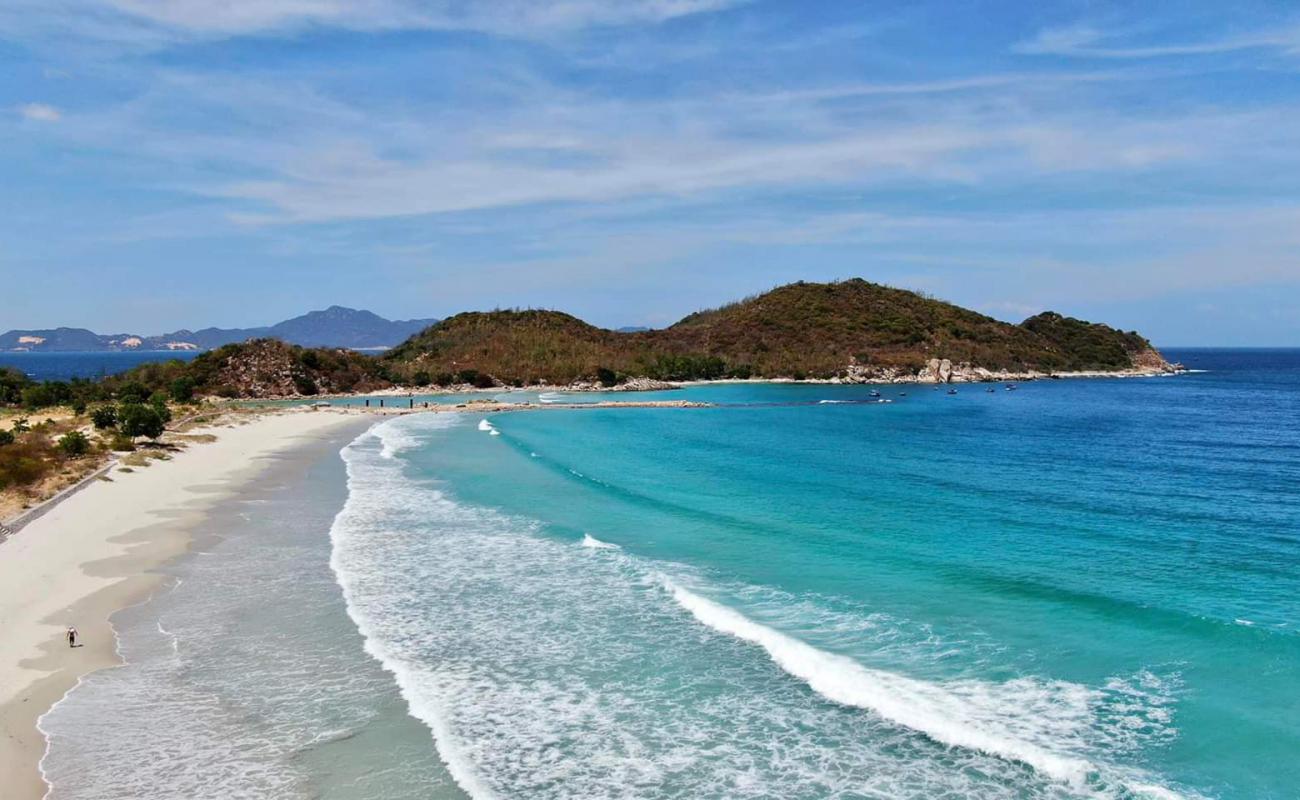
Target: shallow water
1074, 589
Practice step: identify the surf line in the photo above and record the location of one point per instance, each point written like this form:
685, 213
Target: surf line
903, 701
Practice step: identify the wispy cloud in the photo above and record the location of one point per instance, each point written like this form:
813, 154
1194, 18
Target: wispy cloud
158, 23
1086, 41
40, 112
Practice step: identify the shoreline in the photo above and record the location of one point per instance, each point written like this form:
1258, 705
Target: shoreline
668, 386
96, 552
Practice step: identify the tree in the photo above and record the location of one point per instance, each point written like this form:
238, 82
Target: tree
132, 392
12, 383
182, 389
159, 402
137, 419
37, 396
104, 417
74, 443
606, 376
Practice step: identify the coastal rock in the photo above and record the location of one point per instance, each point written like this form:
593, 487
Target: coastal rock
630, 385
937, 370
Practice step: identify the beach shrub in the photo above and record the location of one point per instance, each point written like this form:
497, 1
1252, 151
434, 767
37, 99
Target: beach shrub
137, 419
421, 378
475, 378
26, 461
78, 407
182, 389
304, 385
606, 376
104, 417
158, 401
35, 397
121, 443
12, 383
6, 437
74, 443
21, 425
132, 392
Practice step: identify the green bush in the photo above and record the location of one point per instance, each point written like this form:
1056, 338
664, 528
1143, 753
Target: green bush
158, 401
132, 392
12, 383
182, 389
74, 443
6, 437
38, 396
137, 419
104, 417
606, 376
121, 443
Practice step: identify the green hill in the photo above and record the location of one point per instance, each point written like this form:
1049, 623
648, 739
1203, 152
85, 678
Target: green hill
803, 330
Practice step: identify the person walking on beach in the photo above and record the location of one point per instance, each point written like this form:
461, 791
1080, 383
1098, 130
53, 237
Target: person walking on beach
72, 636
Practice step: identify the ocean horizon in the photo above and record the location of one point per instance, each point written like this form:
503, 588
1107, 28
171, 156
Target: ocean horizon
1078, 588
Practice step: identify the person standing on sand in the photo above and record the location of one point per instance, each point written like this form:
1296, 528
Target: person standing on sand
72, 636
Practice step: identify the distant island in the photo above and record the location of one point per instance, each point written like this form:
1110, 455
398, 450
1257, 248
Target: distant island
849, 331
335, 326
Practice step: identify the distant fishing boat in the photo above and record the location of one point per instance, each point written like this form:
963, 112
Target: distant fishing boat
952, 391
874, 393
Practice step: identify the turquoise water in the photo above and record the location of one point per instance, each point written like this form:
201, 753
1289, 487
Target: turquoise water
1075, 589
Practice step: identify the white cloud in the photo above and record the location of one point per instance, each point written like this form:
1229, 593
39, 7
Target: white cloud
156, 23
1085, 41
40, 112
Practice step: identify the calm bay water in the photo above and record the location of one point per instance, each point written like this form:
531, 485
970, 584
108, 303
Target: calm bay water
1075, 589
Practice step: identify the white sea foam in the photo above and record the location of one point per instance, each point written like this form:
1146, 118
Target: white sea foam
591, 541
1013, 720
942, 714
484, 425
544, 673
395, 441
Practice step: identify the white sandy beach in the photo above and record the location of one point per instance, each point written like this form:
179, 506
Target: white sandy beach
93, 554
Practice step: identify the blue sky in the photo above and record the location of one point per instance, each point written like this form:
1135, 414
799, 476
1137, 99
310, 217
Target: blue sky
169, 163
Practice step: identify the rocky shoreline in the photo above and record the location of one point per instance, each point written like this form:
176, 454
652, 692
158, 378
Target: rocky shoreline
936, 371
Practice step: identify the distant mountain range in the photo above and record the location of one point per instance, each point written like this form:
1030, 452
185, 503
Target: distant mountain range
336, 326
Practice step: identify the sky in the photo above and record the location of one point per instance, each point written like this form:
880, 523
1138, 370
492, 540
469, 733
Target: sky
185, 163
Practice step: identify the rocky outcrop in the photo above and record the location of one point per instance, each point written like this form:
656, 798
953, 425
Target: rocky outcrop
630, 385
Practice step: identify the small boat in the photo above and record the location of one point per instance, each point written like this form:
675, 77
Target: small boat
902, 394
1011, 387
874, 393
989, 390
952, 391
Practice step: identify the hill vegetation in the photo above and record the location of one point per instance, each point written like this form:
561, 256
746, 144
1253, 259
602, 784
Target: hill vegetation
851, 329
803, 330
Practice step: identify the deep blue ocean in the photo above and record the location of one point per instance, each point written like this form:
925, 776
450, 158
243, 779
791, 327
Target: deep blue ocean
1079, 588
65, 366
